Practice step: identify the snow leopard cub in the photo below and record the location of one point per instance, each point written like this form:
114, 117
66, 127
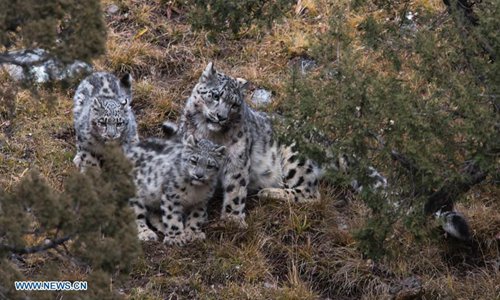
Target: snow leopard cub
102, 114
177, 179
256, 162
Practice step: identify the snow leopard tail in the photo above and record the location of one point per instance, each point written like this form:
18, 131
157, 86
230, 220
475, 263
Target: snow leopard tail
170, 129
300, 178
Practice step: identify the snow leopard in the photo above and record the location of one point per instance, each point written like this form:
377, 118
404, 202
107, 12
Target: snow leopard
175, 178
256, 162
455, 224
102, 114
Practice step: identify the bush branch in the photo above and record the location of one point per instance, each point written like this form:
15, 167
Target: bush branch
445, 196
39, 248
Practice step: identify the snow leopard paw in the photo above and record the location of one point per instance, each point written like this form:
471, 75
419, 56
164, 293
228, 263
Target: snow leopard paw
147, 234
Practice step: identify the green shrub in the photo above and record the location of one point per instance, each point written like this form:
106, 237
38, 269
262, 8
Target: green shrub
218, 16
67, 29
89, 223
424, 111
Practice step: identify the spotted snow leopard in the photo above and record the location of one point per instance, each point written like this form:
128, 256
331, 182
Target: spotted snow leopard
175, 178
102, 114
256, 162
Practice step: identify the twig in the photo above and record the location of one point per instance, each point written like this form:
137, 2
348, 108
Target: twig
441, 18
403, 160
51, 244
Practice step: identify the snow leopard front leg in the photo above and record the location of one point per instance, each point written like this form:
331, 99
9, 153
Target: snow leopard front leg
144, 232
196, 218
172, 218
234, 182
84, 159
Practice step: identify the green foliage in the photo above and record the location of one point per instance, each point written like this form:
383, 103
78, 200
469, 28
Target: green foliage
68, 29
92, 212
430, 93
371, 32
373, 235
219, 15
7, 100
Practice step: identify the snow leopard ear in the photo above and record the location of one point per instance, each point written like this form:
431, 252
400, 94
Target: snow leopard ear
190, 141
209, 73
243, 84
96, 104
221, 151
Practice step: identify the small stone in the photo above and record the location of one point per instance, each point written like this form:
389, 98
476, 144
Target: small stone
409, 24
269, 285
261, 97
42, 67
407, 289
112, 9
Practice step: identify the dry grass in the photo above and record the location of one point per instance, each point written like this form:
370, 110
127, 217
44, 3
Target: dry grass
288, 251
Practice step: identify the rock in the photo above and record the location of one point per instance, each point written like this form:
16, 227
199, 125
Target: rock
269, 285
409, 24
407, 289
261, 97
41, 67
112, 9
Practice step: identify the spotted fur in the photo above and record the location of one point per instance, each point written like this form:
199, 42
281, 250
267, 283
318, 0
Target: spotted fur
176, 178
256, 162
454, 224
102, 114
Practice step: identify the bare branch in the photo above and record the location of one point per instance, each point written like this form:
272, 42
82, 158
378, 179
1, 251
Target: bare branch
445, 196
39, 248
403, 160
448, 193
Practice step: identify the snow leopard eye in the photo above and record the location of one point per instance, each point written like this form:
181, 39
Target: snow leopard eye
102, 122
193, 160
216, 97
235, 106
211, 165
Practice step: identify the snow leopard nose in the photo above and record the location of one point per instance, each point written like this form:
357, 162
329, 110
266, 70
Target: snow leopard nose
221, 118
112, 133
199, 174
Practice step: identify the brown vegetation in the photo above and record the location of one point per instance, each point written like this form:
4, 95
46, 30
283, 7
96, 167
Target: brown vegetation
288, 251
